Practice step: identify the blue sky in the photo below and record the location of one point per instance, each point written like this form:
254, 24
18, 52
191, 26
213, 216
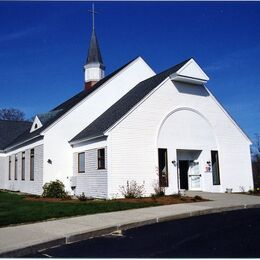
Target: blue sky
43, 47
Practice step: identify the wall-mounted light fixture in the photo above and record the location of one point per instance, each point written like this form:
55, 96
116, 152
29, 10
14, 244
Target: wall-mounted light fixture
174, 162
49, 161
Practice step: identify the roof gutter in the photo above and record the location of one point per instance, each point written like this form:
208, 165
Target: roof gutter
85, 139
11, 147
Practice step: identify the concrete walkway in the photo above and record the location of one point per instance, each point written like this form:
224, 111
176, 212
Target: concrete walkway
29, 238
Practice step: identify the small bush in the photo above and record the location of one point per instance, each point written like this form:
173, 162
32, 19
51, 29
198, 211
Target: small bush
54, 189
132, 190
83, 197
158, 190
197, 197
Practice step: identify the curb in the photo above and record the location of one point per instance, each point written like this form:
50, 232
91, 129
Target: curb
33, 248
79, 236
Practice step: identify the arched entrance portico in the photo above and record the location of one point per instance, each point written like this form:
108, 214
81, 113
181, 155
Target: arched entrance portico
187, 139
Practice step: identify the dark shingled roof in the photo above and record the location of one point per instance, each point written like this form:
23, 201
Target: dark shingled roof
10, 130
50, 117
46, 117
94, 54
124, 105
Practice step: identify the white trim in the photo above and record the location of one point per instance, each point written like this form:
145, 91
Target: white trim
92, 93
196, 64
27, 140
229, 116
85, 140
23, 148
186, 79
36, 121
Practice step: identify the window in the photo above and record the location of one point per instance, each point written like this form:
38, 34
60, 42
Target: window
32, 165
163, 167
15, 167
215, 168
10, 168
101, 158
81, 162
23, 166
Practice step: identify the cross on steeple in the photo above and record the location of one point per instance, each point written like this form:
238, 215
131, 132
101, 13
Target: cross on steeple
93, 12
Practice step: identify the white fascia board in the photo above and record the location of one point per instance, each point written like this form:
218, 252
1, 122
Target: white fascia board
27, 140
229, 116
191, 69
133, 108
188, 80
93, 93
85, 140
26, 147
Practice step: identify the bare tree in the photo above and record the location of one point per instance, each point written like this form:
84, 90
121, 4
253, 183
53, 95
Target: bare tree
12, 114
256, 160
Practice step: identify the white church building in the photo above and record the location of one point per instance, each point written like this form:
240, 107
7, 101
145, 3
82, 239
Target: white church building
132, 125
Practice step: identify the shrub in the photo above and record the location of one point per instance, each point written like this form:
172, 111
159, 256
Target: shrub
132, 190
197, 197
83, 197
54, 189
158, 190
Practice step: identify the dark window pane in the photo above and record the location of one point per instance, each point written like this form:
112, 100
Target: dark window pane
23, 166
101, 158
81, 162
32, 165
215, 168
163, 167
15, 167
10, 165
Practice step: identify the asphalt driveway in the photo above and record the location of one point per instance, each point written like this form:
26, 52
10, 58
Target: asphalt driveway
226, 234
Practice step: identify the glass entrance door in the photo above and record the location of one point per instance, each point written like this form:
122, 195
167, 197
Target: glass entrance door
194, 176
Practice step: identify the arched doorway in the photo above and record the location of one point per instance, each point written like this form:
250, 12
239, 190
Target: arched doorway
187, 139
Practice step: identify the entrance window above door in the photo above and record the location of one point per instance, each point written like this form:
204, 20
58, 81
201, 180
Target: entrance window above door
163, 167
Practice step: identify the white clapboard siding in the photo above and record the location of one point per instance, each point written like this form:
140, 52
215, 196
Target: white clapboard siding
56, 145
27, 186
94, 181
133, 143
3, 171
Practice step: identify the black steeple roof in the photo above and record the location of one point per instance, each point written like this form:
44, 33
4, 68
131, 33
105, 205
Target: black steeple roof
94, 55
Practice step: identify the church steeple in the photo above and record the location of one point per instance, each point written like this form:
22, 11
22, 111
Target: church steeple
94, 68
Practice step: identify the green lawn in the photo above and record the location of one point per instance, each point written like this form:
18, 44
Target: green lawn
15, 209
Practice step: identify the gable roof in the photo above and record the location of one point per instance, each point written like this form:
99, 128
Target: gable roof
10, 130
124, 105
50, 117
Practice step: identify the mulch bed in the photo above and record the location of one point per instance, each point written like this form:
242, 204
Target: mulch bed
166, 200
163, 200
